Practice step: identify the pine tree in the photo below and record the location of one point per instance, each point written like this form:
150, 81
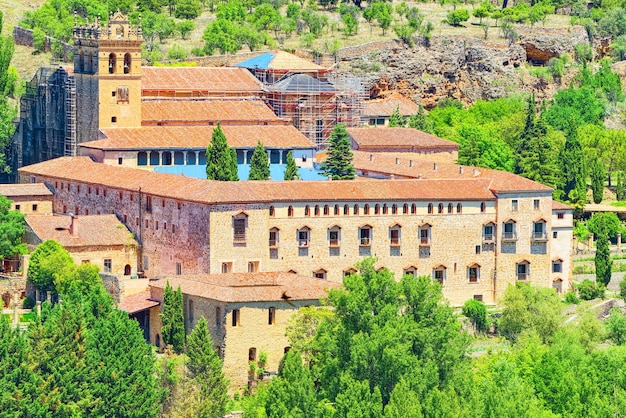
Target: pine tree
469, 153
259, 164
338, 164
598, 175
221, 161
205, 367
418, 121
572, 161
291, 170
172, 318
396, 120
603, 260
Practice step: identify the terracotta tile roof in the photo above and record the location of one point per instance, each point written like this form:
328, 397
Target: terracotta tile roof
205, 111
385, 106
556, 205
26, 189
215, 192
90, 230
137, 302
397, 138
500, 181
249, 287
198, 137
206, 79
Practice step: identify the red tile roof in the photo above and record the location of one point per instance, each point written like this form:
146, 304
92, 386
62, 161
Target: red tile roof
26, 189
205, 79
90, 230
137, 302
500, 181
198, 137
153, 111
216, 192
386, 106
556, 205
398, 138
249, 287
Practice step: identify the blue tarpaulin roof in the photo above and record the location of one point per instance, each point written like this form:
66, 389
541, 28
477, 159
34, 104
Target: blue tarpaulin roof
277, 171
261, 62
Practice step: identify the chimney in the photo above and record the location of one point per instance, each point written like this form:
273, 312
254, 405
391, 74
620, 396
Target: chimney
461, 169
419, 176
410, 163
435, 166
371, 157
73, 225
330, 178
475, 171
392, 176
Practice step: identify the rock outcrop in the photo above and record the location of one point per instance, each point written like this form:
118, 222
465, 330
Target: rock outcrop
541, 44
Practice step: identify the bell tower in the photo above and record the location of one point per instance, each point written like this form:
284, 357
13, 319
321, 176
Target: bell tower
107, 70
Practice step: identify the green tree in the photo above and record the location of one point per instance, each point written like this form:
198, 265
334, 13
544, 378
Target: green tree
620, 190
205, 368
338, 164
48, 258
419, 121
604, 223
598, 175
456, 17
259, 164
476, 311
184, 28
188, 9
574, 170
221, 161
11, 230
172, 318
480, 13
603, 260
291, 169
616, 326
396, 120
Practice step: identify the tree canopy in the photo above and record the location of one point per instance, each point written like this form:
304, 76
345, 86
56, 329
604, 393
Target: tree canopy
259, 164
338, 164
11, 230
172, 318
221, 160
48, 259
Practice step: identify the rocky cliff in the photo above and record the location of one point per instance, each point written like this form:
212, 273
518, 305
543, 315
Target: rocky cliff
461, 68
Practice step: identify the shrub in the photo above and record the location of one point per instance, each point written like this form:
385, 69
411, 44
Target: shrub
198, 52
177, 53
571, 298
476, 311
616, 326
28, 303
622, 289
455, 17
588, 290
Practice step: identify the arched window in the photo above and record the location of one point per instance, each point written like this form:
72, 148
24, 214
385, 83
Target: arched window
272, 211
440, 208
377, 209
356, 209
317, 210
405, 209
449, 207
430, 208
385, 209
413, 209
290, 211
326, 210
90, 63
112, 63
473, 273
459, 208
366, 209
346, 209
127, 63
439, 274
336, 210
307, 211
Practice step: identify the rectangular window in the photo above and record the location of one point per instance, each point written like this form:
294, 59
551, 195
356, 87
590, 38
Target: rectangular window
556, 267
424, 236
478, 249
514, 205
273, 238
253, 266
146, 262
179, 269
303, 238
227, 267
473, 273
239, 230
34, 208
365, 237
148, 203
333, 238
560, 215
122, 94
555, 234
107, 265
478, 298
271, 319
536, 204
119, 160
236, 318
394, 236
17, 207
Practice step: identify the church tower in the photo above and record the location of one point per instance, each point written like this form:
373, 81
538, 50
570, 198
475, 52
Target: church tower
107, 70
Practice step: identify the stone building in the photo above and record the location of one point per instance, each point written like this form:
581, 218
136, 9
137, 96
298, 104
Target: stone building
97, 239
28, 198
402, 140
474, 230
377, 112
247, 314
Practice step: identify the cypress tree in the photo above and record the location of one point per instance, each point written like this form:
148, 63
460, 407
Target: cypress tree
338, 164
205, 367
396, 120
603, 261
259, 164
172, 318
572, 161
221, 161
597, 174
291, 170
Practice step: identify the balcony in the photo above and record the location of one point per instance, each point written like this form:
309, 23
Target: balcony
395, 242
539, 236
303, 243
489, 238
425, 241
365, 242
523, 276
273, 243
334, 242
509, 236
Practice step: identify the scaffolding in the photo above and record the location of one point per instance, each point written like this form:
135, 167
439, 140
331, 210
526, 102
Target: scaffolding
70, 117
317, 101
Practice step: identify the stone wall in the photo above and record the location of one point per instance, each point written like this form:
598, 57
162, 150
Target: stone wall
24, 37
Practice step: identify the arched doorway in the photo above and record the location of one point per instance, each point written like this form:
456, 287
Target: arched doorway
127, 270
